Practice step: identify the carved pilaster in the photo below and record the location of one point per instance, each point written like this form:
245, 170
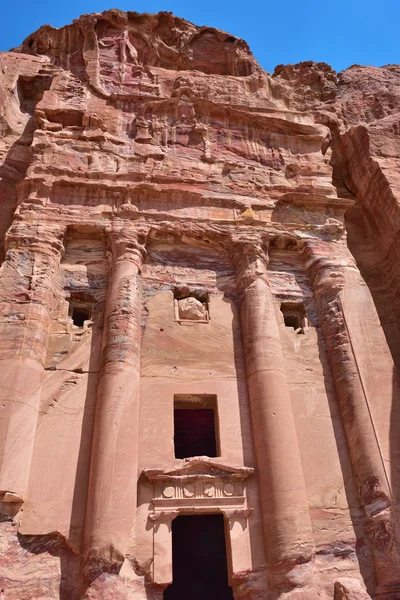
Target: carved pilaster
287, 526
113, 478
328, 280
27, 282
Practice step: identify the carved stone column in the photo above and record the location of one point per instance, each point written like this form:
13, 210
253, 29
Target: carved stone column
328, 280
27, 282
287, 526
113, 477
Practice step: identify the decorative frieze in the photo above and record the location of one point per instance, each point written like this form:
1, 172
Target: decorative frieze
199, 484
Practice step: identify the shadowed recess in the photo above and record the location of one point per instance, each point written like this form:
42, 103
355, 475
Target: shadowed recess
199, 559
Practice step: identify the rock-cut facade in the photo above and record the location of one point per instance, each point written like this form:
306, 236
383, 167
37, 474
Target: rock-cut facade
199, 319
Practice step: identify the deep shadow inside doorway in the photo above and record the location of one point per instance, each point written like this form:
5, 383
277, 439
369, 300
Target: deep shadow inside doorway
199, 561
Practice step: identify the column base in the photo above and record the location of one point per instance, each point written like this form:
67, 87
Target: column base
98, 563
306, 593
126, 585
349, 588
250, 585
10, 505
118, 587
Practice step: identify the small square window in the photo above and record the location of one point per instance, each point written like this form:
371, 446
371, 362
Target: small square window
80, 308
292, 321
294, 316
79, 315
195, 426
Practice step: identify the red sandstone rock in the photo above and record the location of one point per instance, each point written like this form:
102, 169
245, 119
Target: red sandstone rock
182, 230
347, 588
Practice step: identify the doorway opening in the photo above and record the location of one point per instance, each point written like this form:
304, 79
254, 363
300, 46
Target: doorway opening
199, 562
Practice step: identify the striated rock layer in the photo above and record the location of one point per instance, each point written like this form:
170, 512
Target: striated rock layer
180, 230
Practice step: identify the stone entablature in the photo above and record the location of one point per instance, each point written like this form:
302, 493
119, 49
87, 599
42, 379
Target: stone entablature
200, 485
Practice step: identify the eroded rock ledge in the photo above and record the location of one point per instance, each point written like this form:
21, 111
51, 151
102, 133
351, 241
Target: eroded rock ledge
180, 229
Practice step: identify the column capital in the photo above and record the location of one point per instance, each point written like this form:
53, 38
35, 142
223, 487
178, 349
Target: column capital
42, 239
164, 516
128, 244
237, 513
324, 268
249, 254
250, 242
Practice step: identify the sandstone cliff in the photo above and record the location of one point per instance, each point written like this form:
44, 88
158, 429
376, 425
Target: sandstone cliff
178, 226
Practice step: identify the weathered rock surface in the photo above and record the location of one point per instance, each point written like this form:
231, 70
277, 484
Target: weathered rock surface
181, 230
347, 588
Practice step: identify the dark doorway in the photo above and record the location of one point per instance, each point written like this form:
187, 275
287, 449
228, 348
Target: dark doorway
79, 316
199, 563
194, 432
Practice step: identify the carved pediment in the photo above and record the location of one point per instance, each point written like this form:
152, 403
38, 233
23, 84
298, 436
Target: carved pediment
199, 467
198, 481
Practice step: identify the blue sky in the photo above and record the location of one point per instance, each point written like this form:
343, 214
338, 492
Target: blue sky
339, 32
